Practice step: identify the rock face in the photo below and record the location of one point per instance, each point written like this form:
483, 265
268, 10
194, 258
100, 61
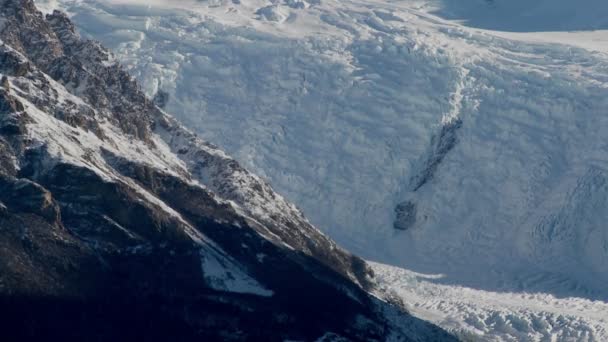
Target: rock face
118, 223
405, 215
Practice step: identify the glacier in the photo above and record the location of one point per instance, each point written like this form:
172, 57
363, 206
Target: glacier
466, 125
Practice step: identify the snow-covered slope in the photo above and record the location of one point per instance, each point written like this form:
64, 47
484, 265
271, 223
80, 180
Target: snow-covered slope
487, 150
353, 108
117, 222
493, 316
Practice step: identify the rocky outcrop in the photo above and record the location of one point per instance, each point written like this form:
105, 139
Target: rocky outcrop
23, 195
441, 145
405, 215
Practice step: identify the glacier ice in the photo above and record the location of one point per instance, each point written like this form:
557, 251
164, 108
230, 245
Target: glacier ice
354, 109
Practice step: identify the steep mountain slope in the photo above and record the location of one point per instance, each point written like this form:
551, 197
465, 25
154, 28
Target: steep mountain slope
476, 155
116, 222
374, 116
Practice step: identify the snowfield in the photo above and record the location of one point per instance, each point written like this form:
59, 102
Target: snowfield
482, 137
496, 316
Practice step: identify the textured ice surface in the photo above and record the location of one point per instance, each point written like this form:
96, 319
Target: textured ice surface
494, 316
352, 108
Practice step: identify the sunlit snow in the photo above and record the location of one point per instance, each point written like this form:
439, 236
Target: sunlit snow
349, 108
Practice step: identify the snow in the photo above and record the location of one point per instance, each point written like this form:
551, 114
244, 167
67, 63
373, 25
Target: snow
525, 15
342, 106
76, 146
496, 316
48, 6
224, 274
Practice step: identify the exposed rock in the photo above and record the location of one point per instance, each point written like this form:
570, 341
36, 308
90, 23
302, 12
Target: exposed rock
441, 145
161, 99
9, 104
12, 64
5, 84
23, 195
405, 215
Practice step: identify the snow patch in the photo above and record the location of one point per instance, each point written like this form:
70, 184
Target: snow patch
223, 274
